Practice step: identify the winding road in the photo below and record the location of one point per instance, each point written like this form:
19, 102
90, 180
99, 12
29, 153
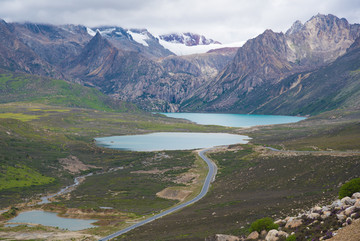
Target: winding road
209, 178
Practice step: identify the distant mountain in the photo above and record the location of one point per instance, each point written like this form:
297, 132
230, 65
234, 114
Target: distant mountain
20, 87
188, 39
333, 86
127, 64
17, 56
154, 72
189, 43
130, 76
136, 40
263, 63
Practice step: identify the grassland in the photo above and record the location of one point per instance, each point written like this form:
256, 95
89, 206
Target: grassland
19, 87
335, 130
254, 182
38, 135
21, 176
129, 190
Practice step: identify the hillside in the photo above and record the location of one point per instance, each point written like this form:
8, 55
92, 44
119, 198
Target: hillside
18, 87
272, 63
336, 85
133, 65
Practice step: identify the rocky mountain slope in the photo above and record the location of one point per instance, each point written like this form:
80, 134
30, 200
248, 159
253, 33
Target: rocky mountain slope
16, 55
127, 64
135, 40
263, 64
273, 73
130, 76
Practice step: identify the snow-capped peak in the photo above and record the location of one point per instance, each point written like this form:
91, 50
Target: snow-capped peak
177, 43
190, 43
90, 31
189, 39
139, 37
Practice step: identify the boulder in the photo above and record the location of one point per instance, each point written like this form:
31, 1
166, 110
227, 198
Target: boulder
317, 209
281, 222
335, 204
252, 236
356, 195
349, 211
325, 208
348, 201
293, 223
313, 215
222, 237
325, 215
263, 233
283, 234
357, 204
272, 235
341, 216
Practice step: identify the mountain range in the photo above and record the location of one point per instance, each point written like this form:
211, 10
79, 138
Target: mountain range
310, 68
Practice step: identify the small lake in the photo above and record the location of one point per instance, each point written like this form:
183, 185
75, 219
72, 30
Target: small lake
170, 141
51, 219
235, 120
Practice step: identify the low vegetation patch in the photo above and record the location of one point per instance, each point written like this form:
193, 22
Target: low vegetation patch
349, 188
10, 213
21, 176
263, 224
19, 116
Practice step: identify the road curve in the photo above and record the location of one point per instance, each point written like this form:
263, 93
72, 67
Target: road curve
209, 178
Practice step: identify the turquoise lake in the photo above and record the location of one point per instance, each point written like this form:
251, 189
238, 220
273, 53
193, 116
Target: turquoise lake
51, 219
170, 141
235, 120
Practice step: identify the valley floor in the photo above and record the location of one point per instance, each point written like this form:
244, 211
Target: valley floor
316, 156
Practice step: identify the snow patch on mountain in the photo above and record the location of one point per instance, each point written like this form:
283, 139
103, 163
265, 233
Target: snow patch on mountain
139, 37
90, 31
180, 43
181, 49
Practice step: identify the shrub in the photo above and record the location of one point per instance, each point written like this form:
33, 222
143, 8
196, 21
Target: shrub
10, 213
263, 224
350, 187
291, 238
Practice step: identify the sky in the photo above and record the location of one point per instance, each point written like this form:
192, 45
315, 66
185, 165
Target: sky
226, 21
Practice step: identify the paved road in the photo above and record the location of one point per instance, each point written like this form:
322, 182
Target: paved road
209, 178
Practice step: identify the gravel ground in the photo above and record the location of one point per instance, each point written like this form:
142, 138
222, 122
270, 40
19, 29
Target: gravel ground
349, 233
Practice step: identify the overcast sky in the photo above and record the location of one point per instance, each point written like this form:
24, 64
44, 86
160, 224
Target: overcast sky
223, 20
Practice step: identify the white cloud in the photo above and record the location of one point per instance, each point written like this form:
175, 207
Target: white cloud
226, 20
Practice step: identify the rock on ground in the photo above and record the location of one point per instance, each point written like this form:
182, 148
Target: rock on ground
222, 237
254, 235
